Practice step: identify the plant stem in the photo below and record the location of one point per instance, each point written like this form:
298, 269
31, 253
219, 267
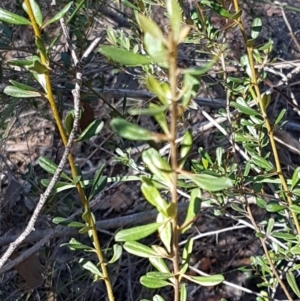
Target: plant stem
258, 96
266, 119
263, 243
173, 78
83, 198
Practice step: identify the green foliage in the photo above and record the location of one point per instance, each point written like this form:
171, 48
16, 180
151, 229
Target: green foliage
250, 165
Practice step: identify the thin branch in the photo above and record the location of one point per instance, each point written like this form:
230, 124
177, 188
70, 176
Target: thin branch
43, 198
45, 236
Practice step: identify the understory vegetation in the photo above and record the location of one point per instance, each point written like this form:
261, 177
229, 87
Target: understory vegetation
149, 151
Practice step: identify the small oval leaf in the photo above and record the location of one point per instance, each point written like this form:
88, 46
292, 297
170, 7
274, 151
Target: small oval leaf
8, 17
20, 93
152, 282
153, 196
130, 130
117, 252
88, 265
159, 166
210, 182
59, 15
209, 280
36, 11
293, 283
147, 25
124, 57
274, 207
138, 249
137, 233
51, 167
92, 130
159, 264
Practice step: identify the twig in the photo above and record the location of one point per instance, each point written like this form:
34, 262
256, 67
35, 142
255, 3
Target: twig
60, 231
85, 203
43, 198
246, 290
288, 25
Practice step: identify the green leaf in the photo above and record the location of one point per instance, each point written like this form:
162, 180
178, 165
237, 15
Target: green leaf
33, 64
8, 17
157, 165
41, 47
244, 60
274, 207
296, 191
36, 12
172, 210
197, 71
284, 235
160, 117
185, 147
76, 245
295, 178
88, 265
210, 182
153, 196
149, 26
183, 292
24, 63
266, 100
41, 79
261, 162
175, 14
138, 249
69, 120
151, 282
161, 90
20, 93
193, 209
51, 167
165, 231
280, 116
160, 275
186, 254
156, 50
151, 111
59, 186
38, 67
66, 222
244, 109
295, 250
159, 264
131, 131
158, 298
293, 283
191, 86
59, 15
270, 226
237, 208
22, 86
86, 229
124, 57
256, 28
295, 208
134, 7
99, 183
117, 252
137, 233
209, 280
92, 130
218, 8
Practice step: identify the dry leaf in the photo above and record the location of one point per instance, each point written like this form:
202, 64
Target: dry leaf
30, 270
